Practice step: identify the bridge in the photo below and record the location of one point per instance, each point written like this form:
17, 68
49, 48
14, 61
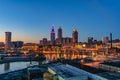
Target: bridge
70, 53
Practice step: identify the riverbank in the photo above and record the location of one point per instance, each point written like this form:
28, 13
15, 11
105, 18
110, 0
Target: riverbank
18, 59
22, 74
15, 75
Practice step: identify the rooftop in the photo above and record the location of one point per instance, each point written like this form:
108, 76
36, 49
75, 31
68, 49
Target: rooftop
36, 69
75, 30
88, 68
113, 63
65, 71
110, 75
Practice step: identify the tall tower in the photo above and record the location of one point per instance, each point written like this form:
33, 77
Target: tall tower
60, 34
53, 35
75, 36
110, 40
7, 41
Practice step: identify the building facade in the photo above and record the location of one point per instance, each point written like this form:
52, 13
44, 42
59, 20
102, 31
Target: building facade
75, 36
44, 41
67, 41
90, 40
16, 45
68, 72
53, 35
7, 41
60, 35
105, 39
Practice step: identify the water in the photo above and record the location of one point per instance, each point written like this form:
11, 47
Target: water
8, 67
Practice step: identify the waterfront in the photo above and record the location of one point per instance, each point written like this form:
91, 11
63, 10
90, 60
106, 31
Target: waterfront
59, 40
8, 67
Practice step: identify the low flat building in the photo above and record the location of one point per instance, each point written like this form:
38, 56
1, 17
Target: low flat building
67, 72
110, 75
63, 72
113, 66
105, 74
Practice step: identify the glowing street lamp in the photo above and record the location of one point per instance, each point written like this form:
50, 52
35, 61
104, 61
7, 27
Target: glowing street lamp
84, 45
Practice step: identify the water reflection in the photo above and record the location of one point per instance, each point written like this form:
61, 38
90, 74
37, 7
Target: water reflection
6, 66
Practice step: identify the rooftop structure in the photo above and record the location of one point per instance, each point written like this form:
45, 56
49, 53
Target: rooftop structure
110, 75
111, 66
113, 63
34, 72
67, 72
106, 75
88, 68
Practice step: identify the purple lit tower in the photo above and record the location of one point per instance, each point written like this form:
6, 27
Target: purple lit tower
52, 35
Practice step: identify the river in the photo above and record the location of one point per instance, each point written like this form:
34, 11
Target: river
8, 67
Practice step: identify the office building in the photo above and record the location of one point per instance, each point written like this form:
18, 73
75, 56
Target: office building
67, 41
60, 34
44, 41
16, 45
52, 36
105, 39
90, 40
75, 36
68, 72
7, 41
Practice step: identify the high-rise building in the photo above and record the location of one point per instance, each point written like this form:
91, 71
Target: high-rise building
111, 39
59, 40
59, 33
75, 36
7, 41
105, 39
52, 35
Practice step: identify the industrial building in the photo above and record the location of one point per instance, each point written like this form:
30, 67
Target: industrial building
68, 72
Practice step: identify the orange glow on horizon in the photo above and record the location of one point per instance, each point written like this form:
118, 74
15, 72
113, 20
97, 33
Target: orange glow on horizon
25, 40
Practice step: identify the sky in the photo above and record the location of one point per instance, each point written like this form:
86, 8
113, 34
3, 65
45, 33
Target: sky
32, 20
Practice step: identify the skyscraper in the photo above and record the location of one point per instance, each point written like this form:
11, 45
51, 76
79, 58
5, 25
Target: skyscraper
111, 39
75, 36
60, 34
52, 35
7, 41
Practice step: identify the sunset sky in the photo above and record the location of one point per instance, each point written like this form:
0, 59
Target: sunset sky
32, 20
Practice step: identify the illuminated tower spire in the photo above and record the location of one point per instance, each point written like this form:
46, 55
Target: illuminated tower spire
52, 31
53, 35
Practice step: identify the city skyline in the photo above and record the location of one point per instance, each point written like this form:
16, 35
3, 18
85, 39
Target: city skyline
30, 21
